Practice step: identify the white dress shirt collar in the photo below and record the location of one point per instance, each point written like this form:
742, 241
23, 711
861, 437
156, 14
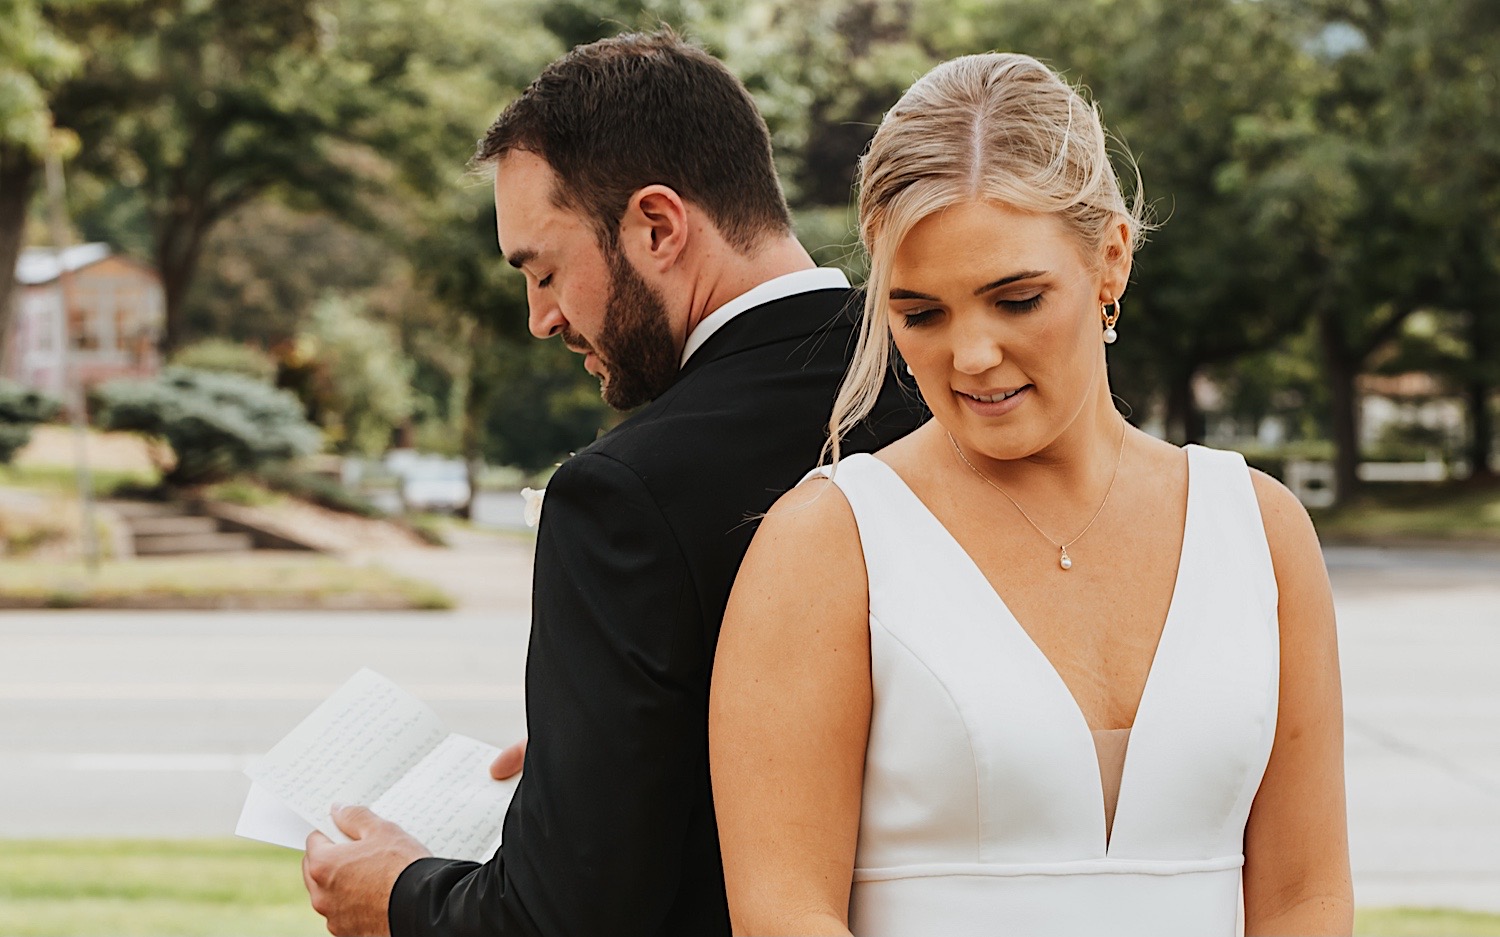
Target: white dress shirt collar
789, 284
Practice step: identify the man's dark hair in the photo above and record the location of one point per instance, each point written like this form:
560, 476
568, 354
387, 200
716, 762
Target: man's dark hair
640, 109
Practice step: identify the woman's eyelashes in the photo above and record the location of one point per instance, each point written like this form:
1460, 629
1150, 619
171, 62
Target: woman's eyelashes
1020, 305
918, 317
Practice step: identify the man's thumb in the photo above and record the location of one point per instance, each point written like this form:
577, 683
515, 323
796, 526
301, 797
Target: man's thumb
509, 762
354, 821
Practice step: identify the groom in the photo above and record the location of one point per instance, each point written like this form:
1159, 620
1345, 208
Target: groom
635, 191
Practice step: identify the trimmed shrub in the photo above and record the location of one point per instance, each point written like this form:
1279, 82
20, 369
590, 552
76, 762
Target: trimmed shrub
319, 489
226, 357
218, 425
20, 410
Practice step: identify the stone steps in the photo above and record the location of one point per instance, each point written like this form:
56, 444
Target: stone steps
162, 544
160, 528
159, 525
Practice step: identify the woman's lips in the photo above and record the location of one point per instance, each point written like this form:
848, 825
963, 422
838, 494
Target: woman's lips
996, 407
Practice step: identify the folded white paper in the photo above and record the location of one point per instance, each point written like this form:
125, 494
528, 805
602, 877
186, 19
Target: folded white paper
372, 743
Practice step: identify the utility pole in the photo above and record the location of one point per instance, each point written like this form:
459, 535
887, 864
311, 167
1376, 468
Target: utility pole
74, 376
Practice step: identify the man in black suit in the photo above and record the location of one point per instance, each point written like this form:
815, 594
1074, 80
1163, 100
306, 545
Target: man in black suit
635, 190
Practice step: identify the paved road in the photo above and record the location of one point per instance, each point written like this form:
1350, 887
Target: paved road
1419, 636
138, 724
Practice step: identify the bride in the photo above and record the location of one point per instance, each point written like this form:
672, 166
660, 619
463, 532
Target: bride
1027, 670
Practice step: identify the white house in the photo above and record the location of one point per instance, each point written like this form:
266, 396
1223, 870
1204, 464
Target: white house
116, 312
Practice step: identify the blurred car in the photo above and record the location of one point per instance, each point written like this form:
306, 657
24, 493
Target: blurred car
432, 483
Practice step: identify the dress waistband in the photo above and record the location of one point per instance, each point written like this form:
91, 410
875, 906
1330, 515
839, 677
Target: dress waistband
1104, 866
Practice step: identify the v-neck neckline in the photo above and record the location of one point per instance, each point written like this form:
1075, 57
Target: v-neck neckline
1077, 717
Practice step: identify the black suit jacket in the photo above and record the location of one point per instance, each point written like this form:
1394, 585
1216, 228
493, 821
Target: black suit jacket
612, 830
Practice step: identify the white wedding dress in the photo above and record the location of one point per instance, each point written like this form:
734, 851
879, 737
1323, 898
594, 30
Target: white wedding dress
984, 810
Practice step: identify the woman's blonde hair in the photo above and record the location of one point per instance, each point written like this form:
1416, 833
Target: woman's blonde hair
997, 127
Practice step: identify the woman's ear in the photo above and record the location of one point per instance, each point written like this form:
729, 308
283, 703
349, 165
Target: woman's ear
1116, 256
654, 229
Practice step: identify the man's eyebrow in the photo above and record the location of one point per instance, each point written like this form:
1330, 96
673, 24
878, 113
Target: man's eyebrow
898, 293
520, 258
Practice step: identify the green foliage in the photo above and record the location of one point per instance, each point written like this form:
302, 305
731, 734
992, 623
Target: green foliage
21, 409
226, 357
357, 383
830, 237
1301, 155
218, 425
33, 59
319, 489
538, 409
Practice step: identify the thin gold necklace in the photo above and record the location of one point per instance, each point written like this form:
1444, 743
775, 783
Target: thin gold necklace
1063, 560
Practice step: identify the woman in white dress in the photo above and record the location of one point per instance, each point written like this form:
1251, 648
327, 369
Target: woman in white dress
1028, 670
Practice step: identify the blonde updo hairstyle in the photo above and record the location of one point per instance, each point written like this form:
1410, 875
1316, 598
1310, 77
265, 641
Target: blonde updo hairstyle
996, 127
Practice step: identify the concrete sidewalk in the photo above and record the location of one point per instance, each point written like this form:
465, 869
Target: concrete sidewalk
1420, 646
482, 571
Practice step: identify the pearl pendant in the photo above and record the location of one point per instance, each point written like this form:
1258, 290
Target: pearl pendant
1065, 561
1110, 335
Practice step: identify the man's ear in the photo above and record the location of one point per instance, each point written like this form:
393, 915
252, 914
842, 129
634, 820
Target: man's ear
654, 229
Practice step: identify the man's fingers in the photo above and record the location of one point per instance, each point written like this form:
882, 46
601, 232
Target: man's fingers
508, 763
354, 821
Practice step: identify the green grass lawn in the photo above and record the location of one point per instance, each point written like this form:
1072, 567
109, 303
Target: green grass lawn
1416, 512
281, 580
64, 480
167, 888
1425, 922
226, 886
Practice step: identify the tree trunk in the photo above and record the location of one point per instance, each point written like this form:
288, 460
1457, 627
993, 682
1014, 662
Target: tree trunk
1478, 394
18, 173
1341, 370
476, 400
1185, 421
177, 251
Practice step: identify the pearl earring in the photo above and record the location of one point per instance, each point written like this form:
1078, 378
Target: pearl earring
908, 369
1110, 315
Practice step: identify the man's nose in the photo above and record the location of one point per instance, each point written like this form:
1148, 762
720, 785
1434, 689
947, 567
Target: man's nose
544, 318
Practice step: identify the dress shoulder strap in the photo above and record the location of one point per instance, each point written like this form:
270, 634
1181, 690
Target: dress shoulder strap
1222, 495
889, 516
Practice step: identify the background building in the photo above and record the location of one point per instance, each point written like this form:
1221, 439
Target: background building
115, 315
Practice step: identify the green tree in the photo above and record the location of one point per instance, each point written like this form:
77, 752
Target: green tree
347, 107
199, 109
33, 60
1378, 208
359, 383
266, 266
1460, 101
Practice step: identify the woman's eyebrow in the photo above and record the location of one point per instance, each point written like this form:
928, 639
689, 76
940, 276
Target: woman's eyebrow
899, 293
1003, 281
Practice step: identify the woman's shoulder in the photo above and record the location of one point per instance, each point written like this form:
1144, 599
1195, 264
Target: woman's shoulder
804, 569
815, 513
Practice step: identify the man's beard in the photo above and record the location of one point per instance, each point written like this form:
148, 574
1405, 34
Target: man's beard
635, 344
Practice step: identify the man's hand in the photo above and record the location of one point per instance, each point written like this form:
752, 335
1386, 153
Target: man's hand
508, 763
350, 883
